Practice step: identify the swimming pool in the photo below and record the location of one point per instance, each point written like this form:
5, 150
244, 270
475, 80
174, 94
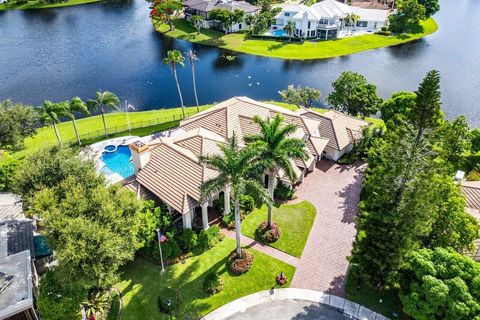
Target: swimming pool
278, 33
118, 162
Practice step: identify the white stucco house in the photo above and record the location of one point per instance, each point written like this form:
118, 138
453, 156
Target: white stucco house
326, 19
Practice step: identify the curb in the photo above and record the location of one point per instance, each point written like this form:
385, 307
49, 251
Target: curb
346, 307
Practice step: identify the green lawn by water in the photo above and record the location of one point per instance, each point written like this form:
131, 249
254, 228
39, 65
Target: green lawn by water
93, 125
285, 50
295, 220
35, 4
142, 282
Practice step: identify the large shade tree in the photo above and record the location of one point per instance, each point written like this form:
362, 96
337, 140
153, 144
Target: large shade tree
441, 284
17, 122
174, 58
238, 169
165, 11
103, 102
300, 96
50, 114
354, 95
76, 105
277, 148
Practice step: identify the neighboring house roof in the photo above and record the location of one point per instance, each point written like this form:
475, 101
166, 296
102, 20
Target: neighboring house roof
10, 207
236, 115
340, 129
207, 6
329, 9
471, 190
20, 237
17, 296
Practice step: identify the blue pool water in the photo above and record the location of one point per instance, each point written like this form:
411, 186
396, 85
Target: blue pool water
279, 33
118, 162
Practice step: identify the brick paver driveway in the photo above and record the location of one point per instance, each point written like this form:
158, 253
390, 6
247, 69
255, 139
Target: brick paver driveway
334, 190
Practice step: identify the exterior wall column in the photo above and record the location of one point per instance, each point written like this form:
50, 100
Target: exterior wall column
226, 209
205, 215
187, 219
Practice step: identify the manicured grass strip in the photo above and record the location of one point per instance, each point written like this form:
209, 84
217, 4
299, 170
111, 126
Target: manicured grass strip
38, 5
285, 50
295, 220
142, 283
46, 137
386, 302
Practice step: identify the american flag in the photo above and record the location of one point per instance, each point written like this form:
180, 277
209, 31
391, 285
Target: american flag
162, 238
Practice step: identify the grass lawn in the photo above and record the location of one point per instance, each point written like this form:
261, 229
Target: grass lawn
142, 283
370, 298
285, 50
36, 4
46, 137
295, 220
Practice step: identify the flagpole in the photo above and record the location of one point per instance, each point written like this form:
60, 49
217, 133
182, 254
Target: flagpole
128, 117
160, 249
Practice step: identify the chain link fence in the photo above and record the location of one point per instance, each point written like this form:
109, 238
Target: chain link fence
98, 134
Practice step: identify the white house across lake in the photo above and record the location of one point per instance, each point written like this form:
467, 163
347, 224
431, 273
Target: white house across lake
327, 20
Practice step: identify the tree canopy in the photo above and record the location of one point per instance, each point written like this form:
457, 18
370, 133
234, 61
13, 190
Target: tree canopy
441, 284
93, 228
354, 95
300, 96
17, 122
165, 11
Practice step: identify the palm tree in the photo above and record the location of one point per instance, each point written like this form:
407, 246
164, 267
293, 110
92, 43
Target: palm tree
354, 18
238, 169
50, 114
103, 102
173, 58
192, 57
75, 105
96, 304
347, 20
276, 149
290, 29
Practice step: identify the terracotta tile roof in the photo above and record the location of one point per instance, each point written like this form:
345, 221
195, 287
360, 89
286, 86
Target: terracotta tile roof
175, 175
339, 128
235, 114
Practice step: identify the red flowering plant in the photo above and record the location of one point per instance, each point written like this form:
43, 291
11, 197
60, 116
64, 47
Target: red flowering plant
165, 11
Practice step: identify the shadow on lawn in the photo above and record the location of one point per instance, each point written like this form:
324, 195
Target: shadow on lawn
147, 284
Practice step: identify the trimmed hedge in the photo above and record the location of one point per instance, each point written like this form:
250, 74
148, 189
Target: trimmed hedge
213, 283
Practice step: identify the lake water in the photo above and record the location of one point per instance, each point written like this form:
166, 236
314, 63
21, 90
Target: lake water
59, 53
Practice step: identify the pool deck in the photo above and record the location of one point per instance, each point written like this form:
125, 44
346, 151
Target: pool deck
94, 153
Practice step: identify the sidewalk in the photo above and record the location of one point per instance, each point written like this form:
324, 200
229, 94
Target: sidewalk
275, 253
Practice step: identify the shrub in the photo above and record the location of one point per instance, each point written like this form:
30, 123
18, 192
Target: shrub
473, 176
19, 2
56, 302
283, 192
247, 203
7, 172
281, 279
240, 265
209, 238
384, 28
268, 235
229, 221
212, 283
187, 240
170, 250
384, 32
168, 296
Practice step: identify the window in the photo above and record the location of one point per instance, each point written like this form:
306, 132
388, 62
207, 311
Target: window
286, 14
308, 25
323, 21
362, 24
